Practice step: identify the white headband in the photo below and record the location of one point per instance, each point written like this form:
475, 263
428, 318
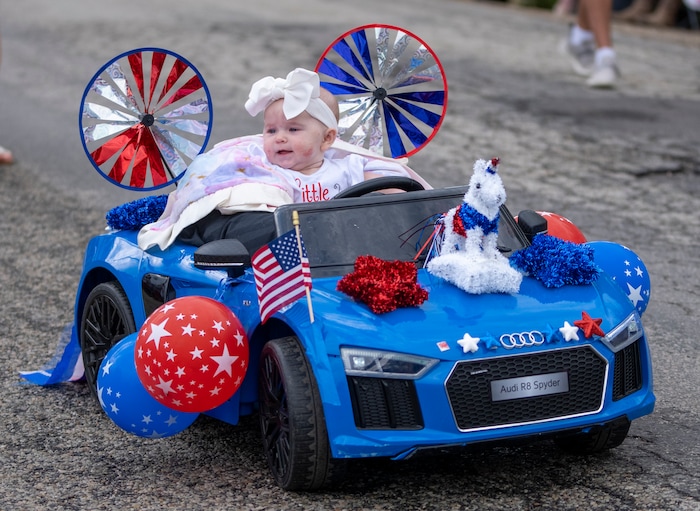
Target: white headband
300, 91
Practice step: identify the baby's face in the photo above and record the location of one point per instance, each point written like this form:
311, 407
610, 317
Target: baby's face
296, 144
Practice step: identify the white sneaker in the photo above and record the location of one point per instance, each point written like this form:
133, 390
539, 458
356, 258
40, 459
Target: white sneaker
581, 56
605, 74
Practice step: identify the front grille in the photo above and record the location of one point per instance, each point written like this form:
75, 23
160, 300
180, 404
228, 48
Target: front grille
628, 371
469, 388
384, 403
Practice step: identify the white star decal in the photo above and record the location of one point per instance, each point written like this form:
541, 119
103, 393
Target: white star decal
225, 361
171, 420
147, 419
165, 386
197, 353
635, 295
168, 307
187, 330
99, 396
218, 326
239, 338
469, 343
570, 332
106, 366
158, 331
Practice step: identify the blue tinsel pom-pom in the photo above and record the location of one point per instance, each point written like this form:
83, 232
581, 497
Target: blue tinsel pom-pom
556, 262
135, 214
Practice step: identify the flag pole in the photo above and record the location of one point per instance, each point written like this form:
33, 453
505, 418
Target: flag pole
295, 221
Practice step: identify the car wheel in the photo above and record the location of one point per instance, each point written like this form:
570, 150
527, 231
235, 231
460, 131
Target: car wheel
292, 423
595, 440
106, 320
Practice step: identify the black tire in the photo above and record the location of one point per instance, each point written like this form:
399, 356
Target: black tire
106, 319
596, 440
294, 435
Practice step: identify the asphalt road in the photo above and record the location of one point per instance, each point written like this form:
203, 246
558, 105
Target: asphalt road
624, 165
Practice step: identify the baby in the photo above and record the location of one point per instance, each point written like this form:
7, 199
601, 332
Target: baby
300, 126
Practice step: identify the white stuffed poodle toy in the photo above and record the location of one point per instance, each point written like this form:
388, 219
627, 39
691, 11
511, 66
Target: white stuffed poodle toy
469, 256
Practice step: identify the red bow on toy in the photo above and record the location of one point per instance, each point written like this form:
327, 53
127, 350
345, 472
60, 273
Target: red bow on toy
383, 285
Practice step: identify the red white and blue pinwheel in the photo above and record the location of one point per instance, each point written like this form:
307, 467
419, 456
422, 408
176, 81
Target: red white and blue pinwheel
144, 116
390, 86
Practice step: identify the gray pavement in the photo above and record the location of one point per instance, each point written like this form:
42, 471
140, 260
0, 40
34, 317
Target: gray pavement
624, 165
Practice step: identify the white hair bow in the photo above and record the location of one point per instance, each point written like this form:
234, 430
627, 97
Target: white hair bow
300, 92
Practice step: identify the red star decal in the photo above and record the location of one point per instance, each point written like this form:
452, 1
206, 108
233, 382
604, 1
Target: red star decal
589, 325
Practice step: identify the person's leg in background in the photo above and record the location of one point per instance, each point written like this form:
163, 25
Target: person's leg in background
589, 44
595, 17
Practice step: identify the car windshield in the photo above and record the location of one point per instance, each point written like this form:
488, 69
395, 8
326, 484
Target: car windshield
392, 227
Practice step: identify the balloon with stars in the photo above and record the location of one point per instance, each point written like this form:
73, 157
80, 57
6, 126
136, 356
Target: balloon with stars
626, 269
192, 354
127, 402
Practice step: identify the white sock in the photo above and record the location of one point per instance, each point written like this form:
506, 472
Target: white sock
578, 36
603, 54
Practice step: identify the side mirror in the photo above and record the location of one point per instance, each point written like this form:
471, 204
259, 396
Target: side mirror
229, 254
532, 223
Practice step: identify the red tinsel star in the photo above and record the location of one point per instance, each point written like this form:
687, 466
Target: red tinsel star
383, 285
589, 325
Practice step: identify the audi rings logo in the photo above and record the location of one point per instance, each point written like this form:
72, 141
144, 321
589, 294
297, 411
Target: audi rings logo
522, 339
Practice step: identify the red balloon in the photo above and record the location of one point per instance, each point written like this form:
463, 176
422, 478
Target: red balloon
192, 354
562, 228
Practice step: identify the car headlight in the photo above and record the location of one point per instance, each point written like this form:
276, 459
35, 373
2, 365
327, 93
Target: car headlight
625, 333
384, 364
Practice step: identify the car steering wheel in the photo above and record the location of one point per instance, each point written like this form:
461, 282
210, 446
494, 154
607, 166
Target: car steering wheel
380, 183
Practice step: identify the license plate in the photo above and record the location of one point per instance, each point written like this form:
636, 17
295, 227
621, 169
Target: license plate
529, 386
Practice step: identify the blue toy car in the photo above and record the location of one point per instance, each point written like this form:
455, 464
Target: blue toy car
559, 357
355, 384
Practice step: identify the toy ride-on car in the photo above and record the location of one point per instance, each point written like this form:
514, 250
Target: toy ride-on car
355, 384
404, 336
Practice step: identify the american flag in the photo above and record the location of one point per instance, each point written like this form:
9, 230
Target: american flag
282, 273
